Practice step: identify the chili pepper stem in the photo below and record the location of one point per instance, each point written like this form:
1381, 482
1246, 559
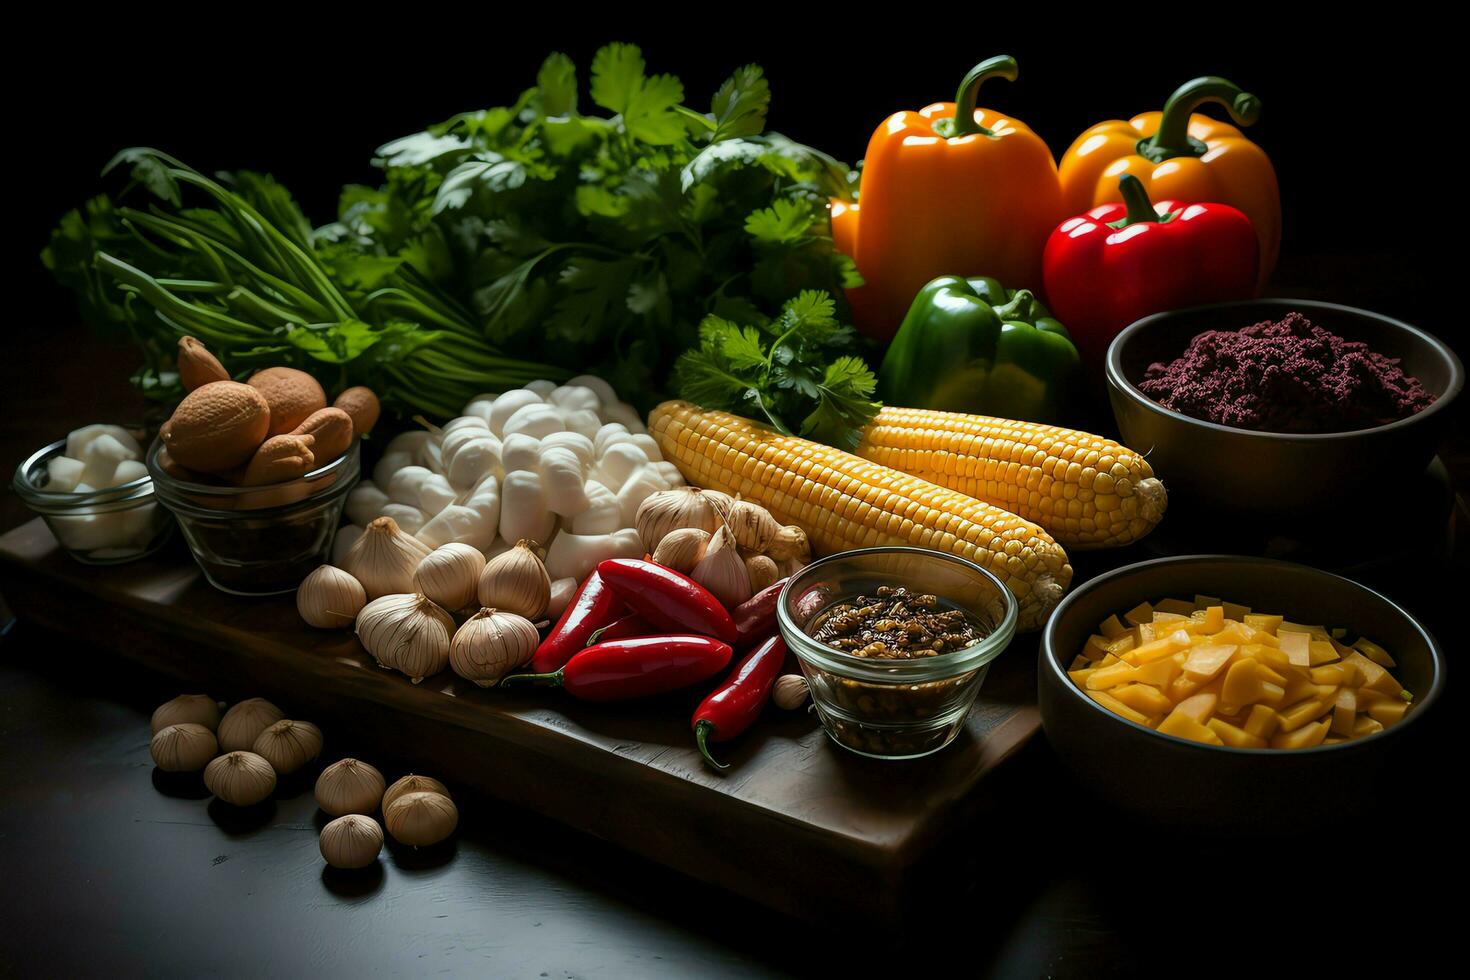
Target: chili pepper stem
963, 123
1173, 139
553, 679
1140, 208
702, 731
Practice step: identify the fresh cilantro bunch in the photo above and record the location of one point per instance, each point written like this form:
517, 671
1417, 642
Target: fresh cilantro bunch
785, 368
599, 240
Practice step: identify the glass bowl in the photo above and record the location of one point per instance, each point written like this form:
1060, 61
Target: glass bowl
895, 709
99, 527
259, 540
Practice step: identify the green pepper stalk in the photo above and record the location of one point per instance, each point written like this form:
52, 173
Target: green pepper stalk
1173, 139
1140, 209
963, 123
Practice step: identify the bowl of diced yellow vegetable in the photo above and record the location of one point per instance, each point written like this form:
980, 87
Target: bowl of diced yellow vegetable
1233, 692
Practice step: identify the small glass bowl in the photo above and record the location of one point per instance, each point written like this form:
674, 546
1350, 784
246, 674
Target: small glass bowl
99, 527
259, 540
895, 709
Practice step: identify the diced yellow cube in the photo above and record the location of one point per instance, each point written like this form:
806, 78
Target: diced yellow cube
1299, 714
1243, 684
1262, 721
1122, 644
1183, 686
1164, 646
1296, 646
1173, 607
1096, 647
1334, 674
1141, 613
1344, 712
1157, 673
1146, 699
1272, 694
1375, 678
1206, 661
1298, 687
1214, 619
1105, 677
1365, 726
1145, 633
1117, 707
1321, 652
1233, 736
1315, 632
1270, 657
1262, 622
1112, 628
1166, 621
1235, 611
1185, 727
1079, 675
1374, 652
1388, 713
1107, 661
1198, 707
1205, 602
1301, 738
1236, 633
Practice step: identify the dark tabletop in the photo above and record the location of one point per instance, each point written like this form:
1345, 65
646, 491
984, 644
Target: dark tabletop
104, 868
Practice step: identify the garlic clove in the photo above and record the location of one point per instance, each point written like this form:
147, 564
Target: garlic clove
491, 644
193, 709
243, 723
329, 598
667, 510
288, 745
682, 548
413, 783
184, 747
507, 405
406, 632
349, 786
450, 575
753, 525
790, 691
384, 558
603, 390
352, 841
517, 582
722, 572
421, 819
790, 542
365, 502
240, 778
762, 572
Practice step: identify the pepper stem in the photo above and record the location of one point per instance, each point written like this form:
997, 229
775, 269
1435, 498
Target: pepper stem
1018, 307
963, 123
553, 679
1173, 139
702, 731
1135, 198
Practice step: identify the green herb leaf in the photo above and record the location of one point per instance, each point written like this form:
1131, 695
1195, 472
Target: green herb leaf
557, 84
739, 107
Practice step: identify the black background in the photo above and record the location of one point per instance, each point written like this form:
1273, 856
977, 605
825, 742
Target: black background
1355, 117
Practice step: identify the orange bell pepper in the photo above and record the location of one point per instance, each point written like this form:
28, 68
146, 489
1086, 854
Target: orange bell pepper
948, 190
1182, 155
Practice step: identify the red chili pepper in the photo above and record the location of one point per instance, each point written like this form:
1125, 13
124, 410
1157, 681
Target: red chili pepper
593, 607
756, 616
674, 603
735, 705
634, 668
625, 628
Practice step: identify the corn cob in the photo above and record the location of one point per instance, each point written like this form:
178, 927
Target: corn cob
1089, 492
844, 502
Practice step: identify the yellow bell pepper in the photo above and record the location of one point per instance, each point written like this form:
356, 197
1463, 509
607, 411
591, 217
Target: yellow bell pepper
1182, 155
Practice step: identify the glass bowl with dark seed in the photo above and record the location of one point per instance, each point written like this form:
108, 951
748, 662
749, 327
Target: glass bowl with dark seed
895, 644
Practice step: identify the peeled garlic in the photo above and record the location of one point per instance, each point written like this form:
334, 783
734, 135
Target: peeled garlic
789, 542
384, 558
413, 783
668, 510
450, 575
421, 819
682, 548
406, 632
288, 745
349, 786
194, 709
516, 582
352, 841
184, 747
329, 598
491, 644
753, 525
790, 691
722, 572
244, 722
240, 778
762, 572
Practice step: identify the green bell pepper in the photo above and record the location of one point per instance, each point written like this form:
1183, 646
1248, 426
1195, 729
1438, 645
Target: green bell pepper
973, 346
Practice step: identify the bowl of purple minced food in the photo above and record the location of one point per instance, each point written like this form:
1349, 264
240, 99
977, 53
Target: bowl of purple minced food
1278, 406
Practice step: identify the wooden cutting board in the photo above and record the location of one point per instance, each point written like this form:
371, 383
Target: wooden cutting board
797, 823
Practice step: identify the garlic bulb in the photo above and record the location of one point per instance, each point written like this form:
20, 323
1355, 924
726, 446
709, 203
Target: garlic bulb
761, 571
243, 723
184, 747
722, 572
790, 542
413, 783
288, 745
753, 525
682, 548
667, 510
193, 709
240, 778
352, 841
491, 644
517, 582
450, 575
408, 633
349, 786
329, 598
384, 558
421, 819
790, 691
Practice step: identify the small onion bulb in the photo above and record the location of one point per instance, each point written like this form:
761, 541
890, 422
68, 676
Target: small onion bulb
193, 709
412, 783
349, 786
450, 575
790, 691
329, 598
491, 644
184, 747
421, 819
240, 778
244, 722
351, 841
288, 745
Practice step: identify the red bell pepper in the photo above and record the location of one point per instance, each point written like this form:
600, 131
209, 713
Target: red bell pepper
593, 607
622, 669
734, 706
1120, 262
756, 617
673, 602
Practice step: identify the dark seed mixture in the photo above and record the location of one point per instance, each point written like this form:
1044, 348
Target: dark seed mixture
1291, 376
894, 624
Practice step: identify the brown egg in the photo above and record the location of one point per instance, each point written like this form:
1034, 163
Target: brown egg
292, 395
362, 404
217, 426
